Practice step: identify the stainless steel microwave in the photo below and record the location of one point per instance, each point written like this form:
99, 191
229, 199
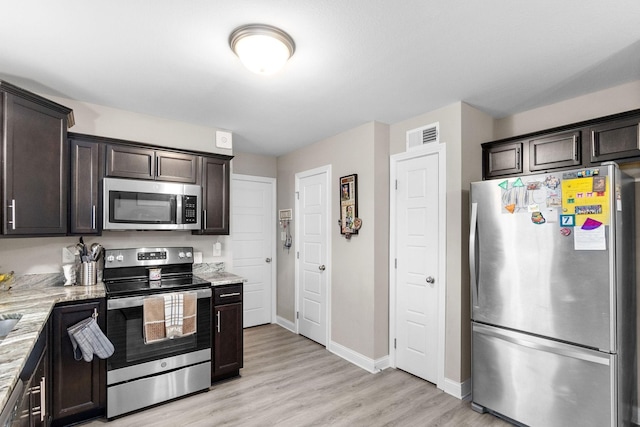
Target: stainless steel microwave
150, 205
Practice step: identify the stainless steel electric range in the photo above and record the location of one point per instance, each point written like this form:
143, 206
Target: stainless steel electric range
142, 374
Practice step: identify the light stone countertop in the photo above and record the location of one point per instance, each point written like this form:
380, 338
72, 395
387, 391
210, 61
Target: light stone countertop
33, 296
214, 274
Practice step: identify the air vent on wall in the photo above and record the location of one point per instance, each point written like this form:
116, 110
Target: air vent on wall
423, 135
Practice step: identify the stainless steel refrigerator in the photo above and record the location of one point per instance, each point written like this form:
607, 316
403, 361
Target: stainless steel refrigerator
553, 297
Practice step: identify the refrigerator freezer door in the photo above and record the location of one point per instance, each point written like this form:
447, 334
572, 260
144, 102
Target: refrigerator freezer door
540, 382
528, 276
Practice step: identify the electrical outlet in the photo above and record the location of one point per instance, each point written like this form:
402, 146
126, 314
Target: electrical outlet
68, 257
197, 257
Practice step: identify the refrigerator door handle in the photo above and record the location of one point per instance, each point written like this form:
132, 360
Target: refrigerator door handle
545, 345
472, 253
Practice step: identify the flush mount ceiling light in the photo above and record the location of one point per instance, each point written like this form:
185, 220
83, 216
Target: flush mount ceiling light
263, 49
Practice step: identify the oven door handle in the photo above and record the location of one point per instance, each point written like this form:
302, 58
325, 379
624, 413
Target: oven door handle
136, 301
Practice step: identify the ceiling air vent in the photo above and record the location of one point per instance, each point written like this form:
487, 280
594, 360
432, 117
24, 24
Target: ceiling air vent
423, 135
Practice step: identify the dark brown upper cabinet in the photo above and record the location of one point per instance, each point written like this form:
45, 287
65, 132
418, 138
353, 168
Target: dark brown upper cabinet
503, 159
125, 161
84, 200
214, 178
615, 140
35, 163
555, 151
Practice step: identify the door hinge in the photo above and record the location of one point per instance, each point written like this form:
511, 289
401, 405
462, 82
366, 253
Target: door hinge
298, 195
394, 343
396, 263
297, 314
396, 184
298, 255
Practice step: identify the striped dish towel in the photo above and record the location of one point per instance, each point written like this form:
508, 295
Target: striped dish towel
173, 314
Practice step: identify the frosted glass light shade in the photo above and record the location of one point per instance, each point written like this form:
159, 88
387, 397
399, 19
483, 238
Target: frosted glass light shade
261, 48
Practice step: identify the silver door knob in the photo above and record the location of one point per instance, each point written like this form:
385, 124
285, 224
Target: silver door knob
322, 267
431, 280
268, 260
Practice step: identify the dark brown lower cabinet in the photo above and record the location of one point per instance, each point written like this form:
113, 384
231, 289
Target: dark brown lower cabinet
32, 408
78, 388
227, 343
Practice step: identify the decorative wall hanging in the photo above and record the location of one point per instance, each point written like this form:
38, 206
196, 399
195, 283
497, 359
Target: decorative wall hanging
349, 221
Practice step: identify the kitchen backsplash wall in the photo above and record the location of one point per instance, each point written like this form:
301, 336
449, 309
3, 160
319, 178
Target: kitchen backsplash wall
44, 254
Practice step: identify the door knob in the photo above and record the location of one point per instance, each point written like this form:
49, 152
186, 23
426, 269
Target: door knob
268, 260
431, 280
322, 267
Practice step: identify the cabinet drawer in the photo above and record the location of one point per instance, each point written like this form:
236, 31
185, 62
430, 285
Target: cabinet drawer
227, 294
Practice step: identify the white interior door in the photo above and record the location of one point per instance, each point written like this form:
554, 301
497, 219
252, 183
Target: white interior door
312, 215
252, 233
419, 271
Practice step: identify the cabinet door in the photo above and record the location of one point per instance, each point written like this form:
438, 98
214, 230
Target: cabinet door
130, 162
176, 167
85, 201
215, 194
78, 387
36, 168
503, 160
556, 151
615, 140
227, 342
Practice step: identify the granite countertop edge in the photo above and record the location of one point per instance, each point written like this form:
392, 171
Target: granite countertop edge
33, 296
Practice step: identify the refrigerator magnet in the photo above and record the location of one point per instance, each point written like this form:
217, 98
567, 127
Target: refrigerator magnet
565, 231
537, 218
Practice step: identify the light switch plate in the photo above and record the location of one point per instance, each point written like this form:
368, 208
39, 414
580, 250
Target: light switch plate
224, 139
197, 257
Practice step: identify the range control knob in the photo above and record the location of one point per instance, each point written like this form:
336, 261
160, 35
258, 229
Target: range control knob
120, 258
181, 255
189, 254
110, 258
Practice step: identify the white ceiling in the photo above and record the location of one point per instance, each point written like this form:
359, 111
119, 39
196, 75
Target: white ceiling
355, 61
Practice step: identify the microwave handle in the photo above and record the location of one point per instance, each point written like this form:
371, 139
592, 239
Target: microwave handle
179, 209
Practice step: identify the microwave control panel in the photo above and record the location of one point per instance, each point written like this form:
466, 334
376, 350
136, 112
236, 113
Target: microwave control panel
189, 206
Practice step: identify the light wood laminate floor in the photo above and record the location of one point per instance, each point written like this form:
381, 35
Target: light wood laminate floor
288, 380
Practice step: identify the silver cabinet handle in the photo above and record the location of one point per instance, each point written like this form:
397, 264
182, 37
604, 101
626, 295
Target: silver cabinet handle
268, 260
93, 216
322, 268
13, 214
431, 280
218, 317
204, 220
233, 294
43, 398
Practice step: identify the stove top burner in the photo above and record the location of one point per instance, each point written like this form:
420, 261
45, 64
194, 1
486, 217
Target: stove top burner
121, 288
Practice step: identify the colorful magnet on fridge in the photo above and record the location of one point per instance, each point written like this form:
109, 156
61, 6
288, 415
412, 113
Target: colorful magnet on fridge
591, 224
504, 185
567, 220
518, 183
537, 218
565, 231
511, 208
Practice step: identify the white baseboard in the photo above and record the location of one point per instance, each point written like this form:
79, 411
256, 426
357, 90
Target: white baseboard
366, 363
286, 324
460, 390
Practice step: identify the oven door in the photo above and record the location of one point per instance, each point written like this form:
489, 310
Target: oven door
125, 330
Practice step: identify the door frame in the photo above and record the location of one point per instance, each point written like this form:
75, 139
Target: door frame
430, 149
273, 231
326, 170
